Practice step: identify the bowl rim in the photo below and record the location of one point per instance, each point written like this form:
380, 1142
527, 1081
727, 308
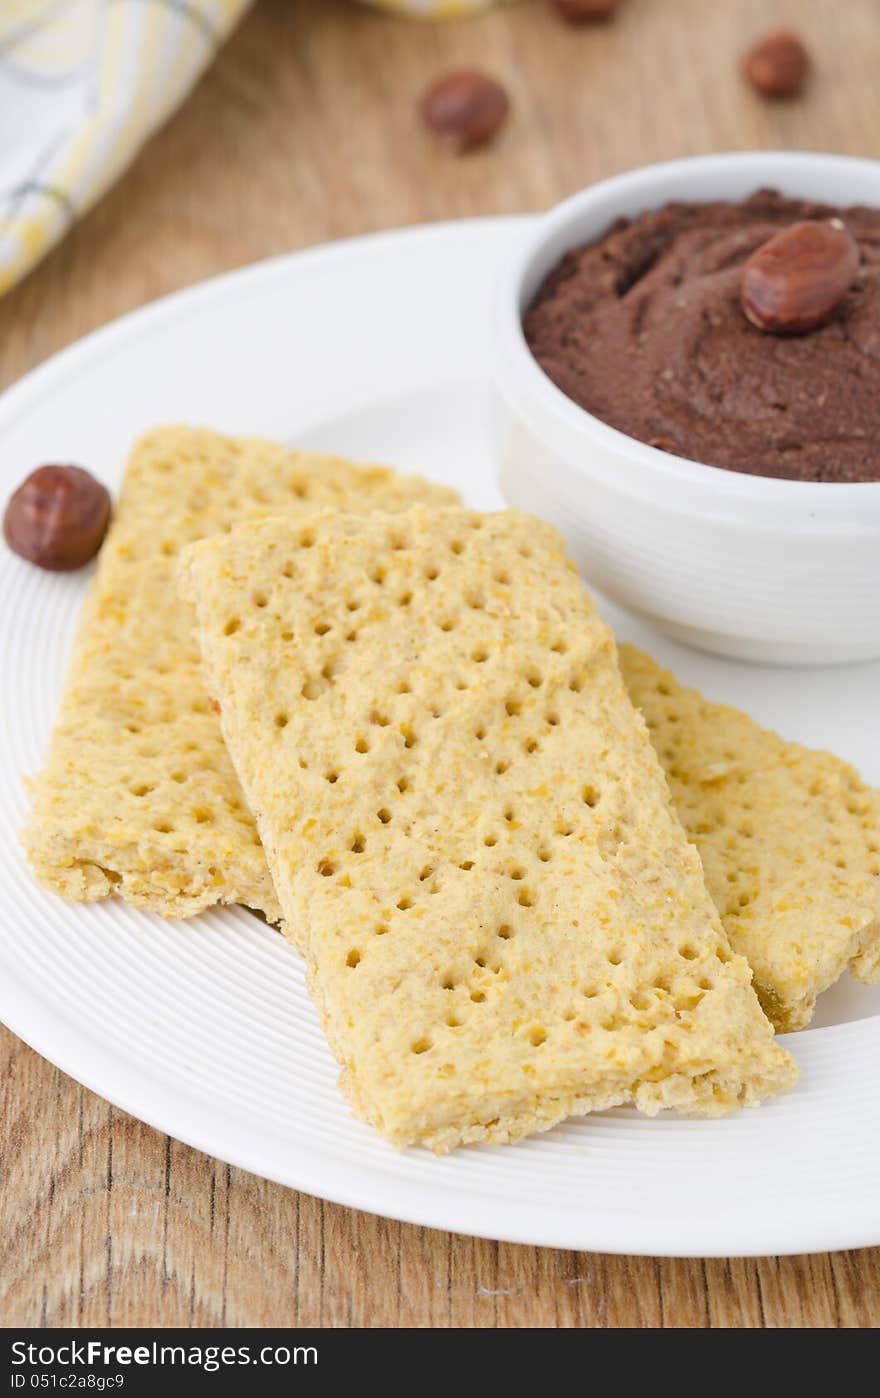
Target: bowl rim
773, 166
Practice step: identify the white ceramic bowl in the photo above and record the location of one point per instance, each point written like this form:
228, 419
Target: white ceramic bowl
769, 570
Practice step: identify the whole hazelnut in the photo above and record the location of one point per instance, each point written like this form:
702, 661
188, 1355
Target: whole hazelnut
797, 280
57, 518
466, 108
777, 65
583, 11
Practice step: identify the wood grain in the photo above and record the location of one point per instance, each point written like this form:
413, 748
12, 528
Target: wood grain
304, 130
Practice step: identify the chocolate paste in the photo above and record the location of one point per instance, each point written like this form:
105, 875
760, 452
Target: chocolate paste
644, 329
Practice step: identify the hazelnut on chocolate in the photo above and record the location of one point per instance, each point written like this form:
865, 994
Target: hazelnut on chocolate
798, 279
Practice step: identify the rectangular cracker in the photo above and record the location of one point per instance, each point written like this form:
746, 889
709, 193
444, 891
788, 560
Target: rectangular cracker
789, 839
469, 832
138, 796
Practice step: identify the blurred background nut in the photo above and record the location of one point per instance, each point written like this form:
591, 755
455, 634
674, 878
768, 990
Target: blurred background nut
465, 107
777, 65
582, 11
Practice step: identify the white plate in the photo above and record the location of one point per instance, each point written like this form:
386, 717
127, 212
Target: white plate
378, 348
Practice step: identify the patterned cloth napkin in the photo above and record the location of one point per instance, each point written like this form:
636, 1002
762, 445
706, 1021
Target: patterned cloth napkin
84, 83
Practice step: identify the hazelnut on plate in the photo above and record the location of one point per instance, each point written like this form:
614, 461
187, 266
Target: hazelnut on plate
57, 518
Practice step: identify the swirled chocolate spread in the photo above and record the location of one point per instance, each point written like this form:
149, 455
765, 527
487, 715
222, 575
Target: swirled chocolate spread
645, 329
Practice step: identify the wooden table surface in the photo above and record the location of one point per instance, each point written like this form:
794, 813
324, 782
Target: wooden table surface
304, 130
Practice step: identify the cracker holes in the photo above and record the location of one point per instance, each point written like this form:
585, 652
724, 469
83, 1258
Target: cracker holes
685, 1003
353, 959
641, 1001
232, 625
421, 1045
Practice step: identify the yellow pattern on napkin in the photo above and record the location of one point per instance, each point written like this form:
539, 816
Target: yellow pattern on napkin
85, 83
